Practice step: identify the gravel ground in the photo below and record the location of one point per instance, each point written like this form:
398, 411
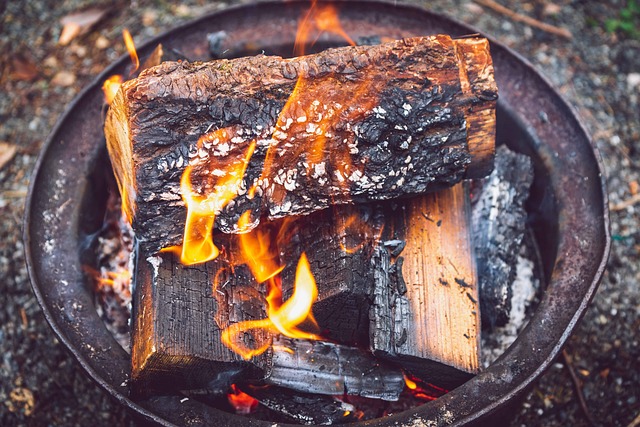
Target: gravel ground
598, 72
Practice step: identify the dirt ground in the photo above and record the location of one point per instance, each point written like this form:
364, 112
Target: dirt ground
597, 71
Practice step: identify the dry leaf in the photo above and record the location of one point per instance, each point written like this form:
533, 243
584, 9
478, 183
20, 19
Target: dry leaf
64, 79
77, 23
7, 151
23, 68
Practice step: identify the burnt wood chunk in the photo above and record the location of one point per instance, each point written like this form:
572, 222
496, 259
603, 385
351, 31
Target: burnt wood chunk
498, 221
338, 243
303, 408
333, 369
425, 312
364, 123
177, 323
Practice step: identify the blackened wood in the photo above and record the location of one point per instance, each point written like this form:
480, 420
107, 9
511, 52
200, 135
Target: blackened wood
326, 368
395, 120
338, 250
425, 311
303, 408
499, 219
178, 320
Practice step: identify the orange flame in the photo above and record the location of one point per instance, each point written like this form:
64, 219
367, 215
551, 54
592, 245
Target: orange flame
197, 243
284, 318
131, 48
321, 18
423, 391
111, 86
242, 402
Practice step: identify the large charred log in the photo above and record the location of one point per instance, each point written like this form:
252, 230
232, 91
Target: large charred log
366, 123
333, 369
425, 312
178, 320
498, 224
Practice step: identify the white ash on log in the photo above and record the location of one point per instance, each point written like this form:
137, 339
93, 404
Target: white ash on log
366, 123
304, 408
425, 313
498, 221
333, 369
178, 320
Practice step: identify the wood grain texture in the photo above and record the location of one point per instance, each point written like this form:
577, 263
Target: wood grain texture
430, 319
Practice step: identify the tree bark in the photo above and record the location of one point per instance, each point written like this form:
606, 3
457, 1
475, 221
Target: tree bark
364, 123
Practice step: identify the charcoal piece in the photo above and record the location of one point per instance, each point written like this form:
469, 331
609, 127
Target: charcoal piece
333, 369
395, 120
499, 220
178, 320
304, 408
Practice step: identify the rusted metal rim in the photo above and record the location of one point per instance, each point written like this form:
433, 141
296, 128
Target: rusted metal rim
573, 190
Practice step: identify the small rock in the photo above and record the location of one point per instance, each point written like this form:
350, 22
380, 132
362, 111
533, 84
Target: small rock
102, 42
633, 80
64, 79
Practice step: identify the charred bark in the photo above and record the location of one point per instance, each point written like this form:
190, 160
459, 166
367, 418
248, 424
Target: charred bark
393, 120
498, 223
178, 320
333, 369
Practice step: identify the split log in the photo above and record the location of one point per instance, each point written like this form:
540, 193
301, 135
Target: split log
425, 308
303, 408
333, 369
498, 223
178, 319
394, 120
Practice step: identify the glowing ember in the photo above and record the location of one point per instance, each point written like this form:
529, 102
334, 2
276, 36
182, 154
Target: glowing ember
423, 391
242, 402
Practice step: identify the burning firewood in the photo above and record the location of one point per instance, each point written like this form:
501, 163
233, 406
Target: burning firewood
346, 125
178, 321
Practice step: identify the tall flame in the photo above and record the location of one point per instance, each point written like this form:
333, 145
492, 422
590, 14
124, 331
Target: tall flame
286, 317
197, 243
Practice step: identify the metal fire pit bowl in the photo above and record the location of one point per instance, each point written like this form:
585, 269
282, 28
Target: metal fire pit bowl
568, 211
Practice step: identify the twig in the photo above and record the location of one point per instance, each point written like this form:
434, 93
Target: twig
635, 422
626, 203
562, 32
577, 385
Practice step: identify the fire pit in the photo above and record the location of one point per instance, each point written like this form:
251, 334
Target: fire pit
567, 209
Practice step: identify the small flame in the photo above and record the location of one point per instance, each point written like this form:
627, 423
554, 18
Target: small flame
422, 390
131, 48
111, 86
242, 402
197, 243
357, 229
321, 18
